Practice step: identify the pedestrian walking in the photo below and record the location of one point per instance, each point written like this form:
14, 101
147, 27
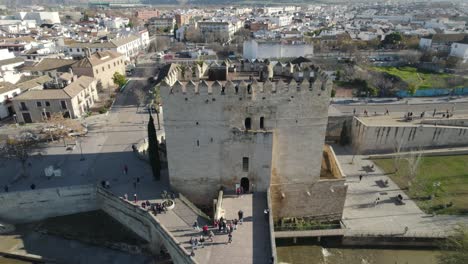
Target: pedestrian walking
406, 229
220, 226
266, 213
202, 241
196, 227
377, 200
33, 186
135, 197
125, 169
125, 197
360, 178
434, 113
386, 112
238, 191
241, 216
205, 230
224, 226
354, 111
235, 224
229, 238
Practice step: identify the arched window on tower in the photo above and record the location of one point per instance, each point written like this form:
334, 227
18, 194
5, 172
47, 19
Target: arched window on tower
248, 123
262, 122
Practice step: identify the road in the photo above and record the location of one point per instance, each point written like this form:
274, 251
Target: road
416, 105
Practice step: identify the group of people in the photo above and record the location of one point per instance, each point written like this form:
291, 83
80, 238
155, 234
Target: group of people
366, 113
222, 225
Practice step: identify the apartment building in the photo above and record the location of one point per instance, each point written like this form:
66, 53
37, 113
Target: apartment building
101, 66
212, 31
146, 15
128, 46
72, 101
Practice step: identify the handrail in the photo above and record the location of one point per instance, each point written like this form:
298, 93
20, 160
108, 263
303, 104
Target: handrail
193, 207
164, 232
219, 206
272, 228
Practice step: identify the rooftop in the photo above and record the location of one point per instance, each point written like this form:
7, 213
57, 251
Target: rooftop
48, 64
6, 87
97, 58
11, 61
68, 92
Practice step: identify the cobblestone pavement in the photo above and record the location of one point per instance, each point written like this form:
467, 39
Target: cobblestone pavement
362, 215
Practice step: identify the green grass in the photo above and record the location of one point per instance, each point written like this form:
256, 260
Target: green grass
421, 79
450, 171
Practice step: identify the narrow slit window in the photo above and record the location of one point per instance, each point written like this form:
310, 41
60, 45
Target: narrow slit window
247, 123
245, 164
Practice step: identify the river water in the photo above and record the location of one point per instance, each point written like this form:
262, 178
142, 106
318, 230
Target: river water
314, 254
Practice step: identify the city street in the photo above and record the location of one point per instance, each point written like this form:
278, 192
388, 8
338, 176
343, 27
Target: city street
345, 106
106, 149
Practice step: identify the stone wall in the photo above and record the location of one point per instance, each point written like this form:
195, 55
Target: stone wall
323, 200
144, 224
29, 206
383, 139
462, 122
335, 125
207, 139
330, 163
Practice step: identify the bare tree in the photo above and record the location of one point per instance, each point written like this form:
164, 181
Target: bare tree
160, 43
19, 148
60, 127
398, 144
413, 159
140, 95
193, 34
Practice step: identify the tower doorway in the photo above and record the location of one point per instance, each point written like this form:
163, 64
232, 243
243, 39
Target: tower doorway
245, 184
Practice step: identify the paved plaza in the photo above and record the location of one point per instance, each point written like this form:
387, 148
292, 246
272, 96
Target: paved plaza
362, 216
250, 242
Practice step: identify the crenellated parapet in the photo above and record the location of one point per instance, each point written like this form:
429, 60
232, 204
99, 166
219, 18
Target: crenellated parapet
319, 86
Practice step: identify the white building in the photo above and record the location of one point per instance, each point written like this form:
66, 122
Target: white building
8, 67
278, 21
222, 31
117, 22
460, 50
7, 92
39, 17
128, 46
254, 49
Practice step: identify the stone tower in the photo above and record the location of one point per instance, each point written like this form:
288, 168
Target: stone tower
245, 131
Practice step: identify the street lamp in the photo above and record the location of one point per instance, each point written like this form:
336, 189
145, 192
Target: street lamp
81, 150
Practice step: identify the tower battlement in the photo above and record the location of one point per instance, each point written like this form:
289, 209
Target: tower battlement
245, 79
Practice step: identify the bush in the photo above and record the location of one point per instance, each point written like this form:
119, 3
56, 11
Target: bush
103, 110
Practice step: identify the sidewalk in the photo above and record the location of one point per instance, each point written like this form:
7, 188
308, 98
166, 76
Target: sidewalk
362, 215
